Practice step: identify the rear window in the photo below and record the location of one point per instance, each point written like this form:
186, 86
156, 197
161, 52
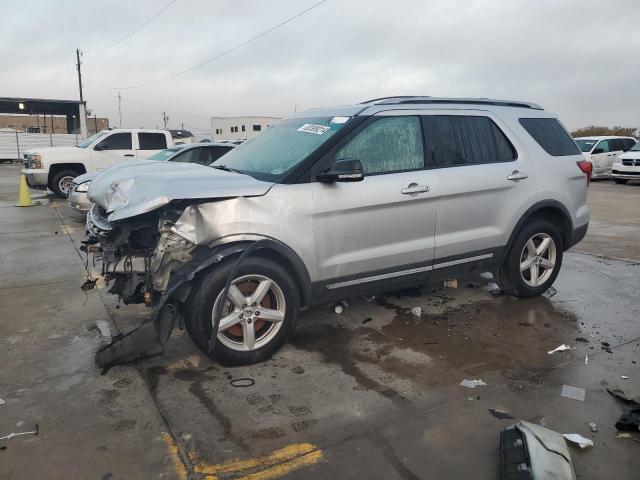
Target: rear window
456, 140
152, 141
550, 135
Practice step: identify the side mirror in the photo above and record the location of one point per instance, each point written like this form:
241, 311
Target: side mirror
597, 150
100, 146
344, 170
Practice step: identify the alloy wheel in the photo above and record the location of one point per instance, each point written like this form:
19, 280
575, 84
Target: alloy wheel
253, 313
65, 184
538, 259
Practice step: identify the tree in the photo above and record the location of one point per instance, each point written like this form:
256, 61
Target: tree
597, 130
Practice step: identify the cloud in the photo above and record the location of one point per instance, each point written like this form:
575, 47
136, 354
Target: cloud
560, 54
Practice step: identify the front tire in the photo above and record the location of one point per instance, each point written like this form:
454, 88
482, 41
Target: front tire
533, 262
259, 314
62, 182
620, 181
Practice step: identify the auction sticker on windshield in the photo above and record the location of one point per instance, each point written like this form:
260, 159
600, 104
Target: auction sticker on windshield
311, 128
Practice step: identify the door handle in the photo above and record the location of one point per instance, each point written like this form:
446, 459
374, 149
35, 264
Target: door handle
516, 175
414, 188
129, 155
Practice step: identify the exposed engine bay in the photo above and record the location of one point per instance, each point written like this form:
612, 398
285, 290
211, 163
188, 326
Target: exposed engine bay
138, 255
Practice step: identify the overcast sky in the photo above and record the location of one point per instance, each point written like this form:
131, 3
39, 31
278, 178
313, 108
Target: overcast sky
580, 59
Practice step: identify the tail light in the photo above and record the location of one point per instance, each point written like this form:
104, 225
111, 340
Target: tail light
587, 169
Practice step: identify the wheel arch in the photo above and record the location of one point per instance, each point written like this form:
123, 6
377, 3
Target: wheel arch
59, 167
270, 248
550, 210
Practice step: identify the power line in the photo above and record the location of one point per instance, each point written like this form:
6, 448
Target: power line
134, 31
146, 106
220, 55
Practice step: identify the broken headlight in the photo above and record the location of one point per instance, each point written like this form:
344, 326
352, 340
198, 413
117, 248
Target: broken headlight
83, 187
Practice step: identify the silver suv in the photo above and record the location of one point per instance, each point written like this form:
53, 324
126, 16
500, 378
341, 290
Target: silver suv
336, 202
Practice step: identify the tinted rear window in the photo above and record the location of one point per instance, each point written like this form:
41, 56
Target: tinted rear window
456, 140
152, 141
550, 135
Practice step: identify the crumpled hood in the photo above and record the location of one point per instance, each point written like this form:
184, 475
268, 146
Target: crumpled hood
127, 190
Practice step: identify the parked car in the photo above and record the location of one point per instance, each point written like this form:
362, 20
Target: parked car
627, 166
336, 202
201, 153
602, 151
56, 167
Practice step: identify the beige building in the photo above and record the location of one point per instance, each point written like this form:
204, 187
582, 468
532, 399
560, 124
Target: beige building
48, 123
234, 128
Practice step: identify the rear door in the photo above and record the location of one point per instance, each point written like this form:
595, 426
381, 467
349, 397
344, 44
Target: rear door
112, 149
484, 182
383, 226
150, 143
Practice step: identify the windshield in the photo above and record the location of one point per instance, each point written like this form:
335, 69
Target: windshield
92, 138
281, 147
635, 148
165, 154
586, 144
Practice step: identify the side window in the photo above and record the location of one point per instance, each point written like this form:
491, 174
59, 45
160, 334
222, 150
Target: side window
188, 156
603, 145
116, 141
152, 141
214, 153
550, 135
257, 128
455, 140
389, 144
616, 144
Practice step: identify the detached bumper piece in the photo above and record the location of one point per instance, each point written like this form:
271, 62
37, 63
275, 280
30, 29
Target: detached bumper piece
532, 452
148, 340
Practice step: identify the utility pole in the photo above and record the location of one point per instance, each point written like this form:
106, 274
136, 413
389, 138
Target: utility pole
120, 110
79, 74
165, 119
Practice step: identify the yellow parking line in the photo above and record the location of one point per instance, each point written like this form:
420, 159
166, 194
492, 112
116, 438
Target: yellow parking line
270, 466
172, 448
277, 471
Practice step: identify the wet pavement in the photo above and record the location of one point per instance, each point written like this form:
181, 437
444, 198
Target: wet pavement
370, 393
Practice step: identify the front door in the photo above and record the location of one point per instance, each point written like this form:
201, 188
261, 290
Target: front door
112, 149
384, 224
602, 158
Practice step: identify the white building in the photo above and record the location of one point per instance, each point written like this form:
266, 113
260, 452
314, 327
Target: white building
234, 128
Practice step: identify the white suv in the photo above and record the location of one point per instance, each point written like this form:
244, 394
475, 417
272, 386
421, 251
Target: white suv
602, 152
336, 202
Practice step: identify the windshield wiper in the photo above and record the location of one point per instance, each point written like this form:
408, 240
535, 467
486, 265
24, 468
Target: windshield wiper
227, 169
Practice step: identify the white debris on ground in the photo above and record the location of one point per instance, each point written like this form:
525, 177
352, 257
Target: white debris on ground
561, 348
472, 383
578, 439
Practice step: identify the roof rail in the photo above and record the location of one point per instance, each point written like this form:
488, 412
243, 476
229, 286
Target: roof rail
378, 100
403, 100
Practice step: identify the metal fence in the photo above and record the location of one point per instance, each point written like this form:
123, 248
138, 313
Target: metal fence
13, 144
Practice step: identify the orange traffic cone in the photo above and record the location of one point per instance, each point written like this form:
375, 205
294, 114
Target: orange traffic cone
24, 196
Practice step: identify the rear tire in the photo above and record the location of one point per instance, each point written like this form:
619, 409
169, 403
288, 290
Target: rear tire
620, 181
236, 345
533, 262
62, 182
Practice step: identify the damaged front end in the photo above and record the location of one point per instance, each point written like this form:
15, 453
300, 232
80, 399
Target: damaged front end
138, 257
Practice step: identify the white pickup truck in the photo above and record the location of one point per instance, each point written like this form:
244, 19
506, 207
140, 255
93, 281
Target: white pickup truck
56, 167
